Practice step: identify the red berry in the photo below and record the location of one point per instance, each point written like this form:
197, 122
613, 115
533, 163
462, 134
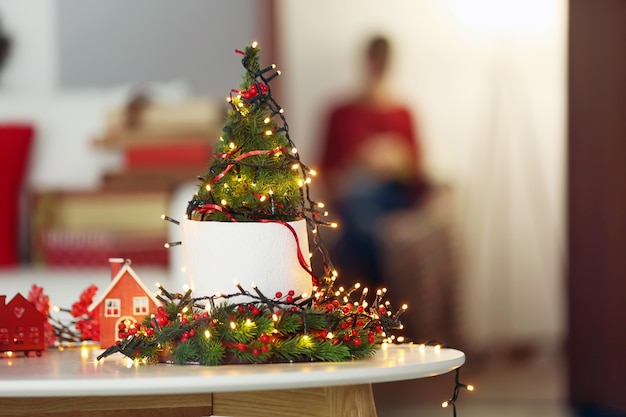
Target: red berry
149, 331
184, 320
356, 341
279, 294
291, 293
379, 329
382, 310
241, 347
360, 309
345, 310
346, 338
265, 338
255, 311
355, 332
335, 303
256, 352
360, 323
289, 299
264, 349
329, 307
205, 314
241, 309
196, 316
192, 332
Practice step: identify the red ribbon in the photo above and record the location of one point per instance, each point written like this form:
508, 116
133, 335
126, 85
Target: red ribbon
243, 156
301, 258
212, 208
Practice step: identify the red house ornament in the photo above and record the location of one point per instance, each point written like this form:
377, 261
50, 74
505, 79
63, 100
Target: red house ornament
21, 326
126, 302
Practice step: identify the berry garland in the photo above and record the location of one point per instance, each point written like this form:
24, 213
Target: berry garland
286, 328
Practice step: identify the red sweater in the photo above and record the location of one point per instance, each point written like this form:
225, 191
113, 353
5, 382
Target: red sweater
351, 125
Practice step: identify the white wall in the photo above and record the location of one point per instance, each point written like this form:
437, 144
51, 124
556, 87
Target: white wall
487, 80
45, 56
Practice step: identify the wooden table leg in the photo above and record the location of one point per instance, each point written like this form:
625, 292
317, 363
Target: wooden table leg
184, 405
345, 401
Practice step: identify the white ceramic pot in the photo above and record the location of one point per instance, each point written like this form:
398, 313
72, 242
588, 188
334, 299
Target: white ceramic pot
265, 254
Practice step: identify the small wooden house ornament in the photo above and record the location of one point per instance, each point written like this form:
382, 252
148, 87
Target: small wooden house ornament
126, 301
21, 326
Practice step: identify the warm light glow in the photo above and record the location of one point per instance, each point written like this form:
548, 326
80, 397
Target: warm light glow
166, 245
262, 198
404, 306
9, 353
300, 183
231, 145
268, 133
333, 225
223, 202
295, 166
185, 309
444, 404
207, 334
294, 151
84, 352
274, 317
308, 180
267, 120
56, 308
248, 322
329, 335
233, 325
470, 387
208, 187
313, 172
255, 44
320, 205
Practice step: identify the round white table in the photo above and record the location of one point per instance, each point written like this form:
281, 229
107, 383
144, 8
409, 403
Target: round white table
72, 382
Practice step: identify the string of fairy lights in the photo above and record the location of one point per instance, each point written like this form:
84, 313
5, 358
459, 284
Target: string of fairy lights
254, 99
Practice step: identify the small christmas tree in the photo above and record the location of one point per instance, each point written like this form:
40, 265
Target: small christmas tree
256, 171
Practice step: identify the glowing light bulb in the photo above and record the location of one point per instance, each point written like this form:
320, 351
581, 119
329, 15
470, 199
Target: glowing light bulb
267, 120
320, 205
470, 387
444, 404
221, 139
268, 133
233, 325
207, 334
294, 151
263, 198
255, 44
231, 145
295, 166
308, 180
334, 225
274, 317
207, 187
313, 172
300, 183
223, 202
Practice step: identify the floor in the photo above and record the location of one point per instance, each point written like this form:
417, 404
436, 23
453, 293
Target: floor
532, 387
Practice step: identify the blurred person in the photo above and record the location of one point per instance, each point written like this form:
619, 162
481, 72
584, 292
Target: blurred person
371, 164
